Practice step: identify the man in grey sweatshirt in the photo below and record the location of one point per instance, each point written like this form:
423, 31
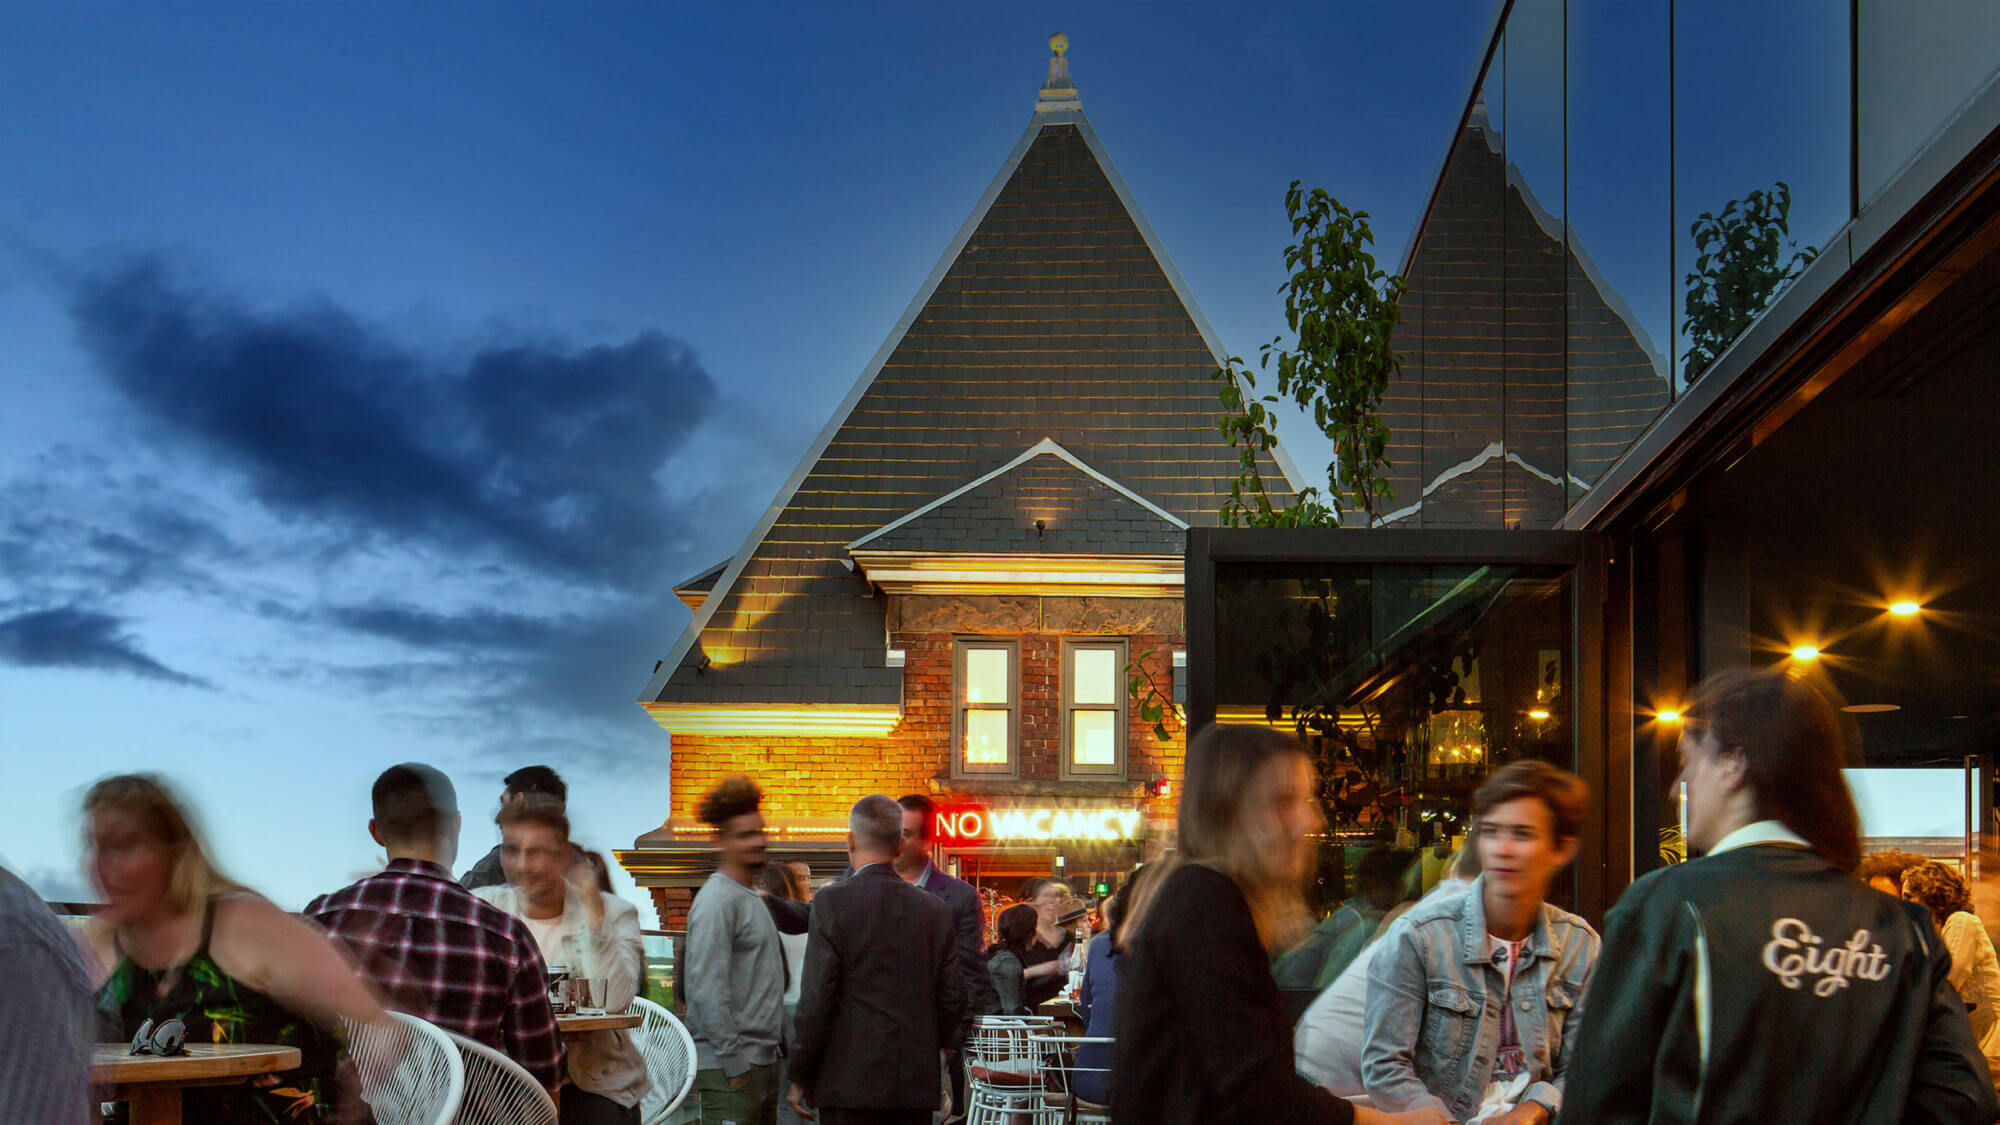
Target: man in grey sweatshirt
735, 970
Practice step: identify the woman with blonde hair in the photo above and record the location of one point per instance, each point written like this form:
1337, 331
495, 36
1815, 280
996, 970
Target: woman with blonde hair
1202, 1032
177, 940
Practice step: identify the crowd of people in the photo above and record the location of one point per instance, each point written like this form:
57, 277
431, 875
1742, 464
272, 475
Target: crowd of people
176, 940
1779, 977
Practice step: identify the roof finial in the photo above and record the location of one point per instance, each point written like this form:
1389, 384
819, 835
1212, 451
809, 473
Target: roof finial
1058, 96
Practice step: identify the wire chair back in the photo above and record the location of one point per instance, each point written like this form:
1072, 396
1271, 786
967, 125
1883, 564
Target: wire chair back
410, 1070
498, 1091
668, 1049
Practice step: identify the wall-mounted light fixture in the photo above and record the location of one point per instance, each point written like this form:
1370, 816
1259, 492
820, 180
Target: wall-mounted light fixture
1906, 608
1805, 652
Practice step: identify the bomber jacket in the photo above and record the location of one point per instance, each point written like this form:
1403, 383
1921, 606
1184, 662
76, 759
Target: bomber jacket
1435, 997
1762, 984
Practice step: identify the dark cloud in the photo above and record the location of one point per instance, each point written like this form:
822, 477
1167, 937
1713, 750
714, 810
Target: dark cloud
71, 637
542, 453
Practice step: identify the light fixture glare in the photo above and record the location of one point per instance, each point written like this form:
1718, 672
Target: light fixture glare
1805, 652
1906, 609
1669, 716
1538, 716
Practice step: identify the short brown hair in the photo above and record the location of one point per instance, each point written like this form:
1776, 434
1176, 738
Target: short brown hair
734, 796
1938, 889
1562, 791
1887, 864
535, 809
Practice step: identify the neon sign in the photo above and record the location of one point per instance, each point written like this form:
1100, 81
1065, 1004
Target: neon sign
970, 824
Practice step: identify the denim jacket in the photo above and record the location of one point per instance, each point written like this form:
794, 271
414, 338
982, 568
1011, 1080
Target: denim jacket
1434, 1000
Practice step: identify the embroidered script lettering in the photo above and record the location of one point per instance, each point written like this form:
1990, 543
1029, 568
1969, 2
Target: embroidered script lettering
1795, 952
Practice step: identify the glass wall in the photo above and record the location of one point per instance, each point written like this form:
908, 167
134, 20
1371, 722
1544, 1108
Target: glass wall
1410, 684
1634, 184
1620, 204
1762, 120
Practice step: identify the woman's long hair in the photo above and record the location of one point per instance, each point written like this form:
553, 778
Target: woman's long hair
1228, 822
193, 879
1792, 751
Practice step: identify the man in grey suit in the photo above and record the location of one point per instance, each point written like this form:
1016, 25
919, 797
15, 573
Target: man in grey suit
914, 864
881, 993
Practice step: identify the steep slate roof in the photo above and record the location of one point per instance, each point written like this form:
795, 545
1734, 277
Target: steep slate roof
1055, 315
1081, 513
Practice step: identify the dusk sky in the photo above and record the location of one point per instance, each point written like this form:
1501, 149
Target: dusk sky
371, 371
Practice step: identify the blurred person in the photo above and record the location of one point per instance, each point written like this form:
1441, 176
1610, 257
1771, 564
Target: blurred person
1380, 880
177, 940
523, 783
1049, 957
914, 864
883, 997
1327, 1042
1472, 1008
1974, 971
1006, 960
1202, 1036
1762, 982
1097, 999
44, 1013
434, 949
735, 976
1883, 870
781, 882
554, 893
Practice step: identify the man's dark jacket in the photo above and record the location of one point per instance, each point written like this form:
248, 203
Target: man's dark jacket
1827, 1002
880, 997
488, 872
963, 902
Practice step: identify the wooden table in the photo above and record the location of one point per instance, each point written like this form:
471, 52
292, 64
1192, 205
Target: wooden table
153, 1085
571, 1026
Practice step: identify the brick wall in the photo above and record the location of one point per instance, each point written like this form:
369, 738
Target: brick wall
823, 775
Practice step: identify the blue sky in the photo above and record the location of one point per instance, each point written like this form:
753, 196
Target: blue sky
373, 369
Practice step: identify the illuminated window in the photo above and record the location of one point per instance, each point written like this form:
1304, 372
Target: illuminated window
986, 723
1094, 708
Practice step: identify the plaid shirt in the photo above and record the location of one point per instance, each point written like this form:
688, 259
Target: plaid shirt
438, 952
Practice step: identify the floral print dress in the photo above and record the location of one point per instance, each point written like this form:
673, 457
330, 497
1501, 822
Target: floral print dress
218, 1009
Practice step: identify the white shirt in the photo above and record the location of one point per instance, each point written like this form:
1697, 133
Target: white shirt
1760, 832
548, 937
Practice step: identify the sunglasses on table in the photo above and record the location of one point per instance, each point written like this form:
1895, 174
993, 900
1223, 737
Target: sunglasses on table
165, 1039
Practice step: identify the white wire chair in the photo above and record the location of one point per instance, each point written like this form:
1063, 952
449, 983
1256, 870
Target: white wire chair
410, 1070
1004, 1072
669, 1053
1062, 1068
498, 1091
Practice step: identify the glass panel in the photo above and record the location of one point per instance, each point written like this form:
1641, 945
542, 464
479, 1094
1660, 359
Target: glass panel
988, 675
986, 742
1761, 146
1457, 274
1093, 676
1920, 60
1533, 470
1620, 215
1408, 683
1093, 738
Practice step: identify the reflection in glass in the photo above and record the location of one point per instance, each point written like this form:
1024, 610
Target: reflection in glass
1620, 217
1918, 62
1408, 683
1093, 738
986, 738
1094, 676
1533, 470
988, 677
1761, 94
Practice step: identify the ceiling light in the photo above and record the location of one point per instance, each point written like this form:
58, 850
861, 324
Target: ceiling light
1805, 652
1669, 716
1538, 716
1871, 708
1906, 609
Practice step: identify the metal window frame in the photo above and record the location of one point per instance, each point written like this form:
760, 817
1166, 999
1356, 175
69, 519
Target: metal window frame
1120, 647
1603, 860
959, 647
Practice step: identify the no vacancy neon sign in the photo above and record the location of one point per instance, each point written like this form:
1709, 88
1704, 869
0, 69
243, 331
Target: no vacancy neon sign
973, 824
